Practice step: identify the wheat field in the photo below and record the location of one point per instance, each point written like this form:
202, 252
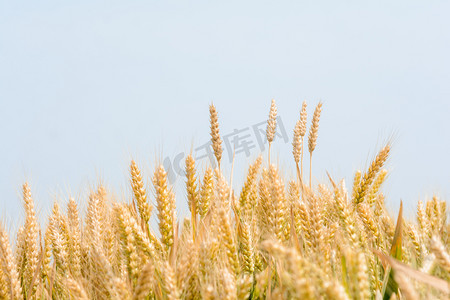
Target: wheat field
275, 238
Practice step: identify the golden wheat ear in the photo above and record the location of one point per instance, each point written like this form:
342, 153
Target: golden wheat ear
140, 195
207, 190
248, 195
271, 125
297, 144
297, 141
9, 268
192, 191
215, 135
441, 254
31, 238
146, 282
370, 175
312, 139
165, 200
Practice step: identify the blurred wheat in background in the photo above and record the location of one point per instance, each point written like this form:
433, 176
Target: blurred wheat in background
277, 238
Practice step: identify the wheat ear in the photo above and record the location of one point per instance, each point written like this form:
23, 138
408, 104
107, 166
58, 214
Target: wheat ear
244, 286
439, 251
265, 206
47, 252
93, 220
374, 190
363, 277
246, 245
32, 234
313, 133
140, 195
206, 192
345, 212
9, 264
228, 241
192, 192
271, 124
280, 223
75, 289
145, 282
335, 291
165, 201
59, 241
297, 147
248, 196
215, 135
168, 281
187, 270
303, 119
128, 242
371, 173
422, 220
75, 240
406, 286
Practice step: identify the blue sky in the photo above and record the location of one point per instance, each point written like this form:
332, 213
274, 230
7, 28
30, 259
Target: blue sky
88, 85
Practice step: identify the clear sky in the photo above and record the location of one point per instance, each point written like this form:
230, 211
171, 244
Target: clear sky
85, 86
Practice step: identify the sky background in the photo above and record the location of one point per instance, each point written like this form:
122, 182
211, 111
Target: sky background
86, 86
